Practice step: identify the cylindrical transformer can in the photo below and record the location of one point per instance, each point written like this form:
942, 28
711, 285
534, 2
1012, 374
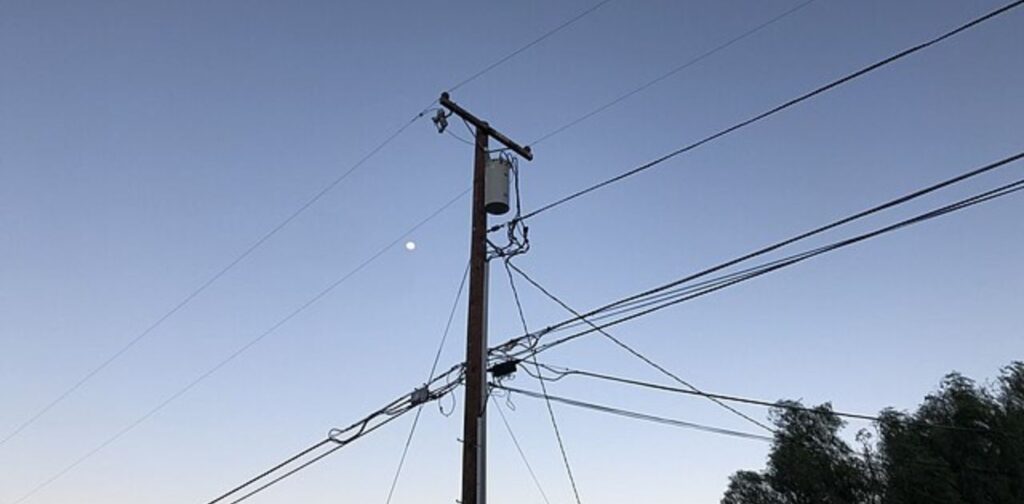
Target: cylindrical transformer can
496, 180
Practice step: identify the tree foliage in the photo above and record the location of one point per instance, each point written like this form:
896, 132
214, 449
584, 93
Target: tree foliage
963, 445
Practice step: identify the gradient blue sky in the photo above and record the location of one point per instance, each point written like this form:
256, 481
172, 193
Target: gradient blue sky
143, 145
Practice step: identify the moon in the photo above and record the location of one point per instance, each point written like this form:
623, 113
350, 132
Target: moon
410, 246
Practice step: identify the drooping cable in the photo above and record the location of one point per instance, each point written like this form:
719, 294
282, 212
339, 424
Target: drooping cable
638, 416
707, 54
457, 137
543, 387
562, 372
522, 455
430, 378
647, 360
774, 110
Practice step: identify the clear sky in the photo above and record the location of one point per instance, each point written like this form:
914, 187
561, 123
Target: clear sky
144, 145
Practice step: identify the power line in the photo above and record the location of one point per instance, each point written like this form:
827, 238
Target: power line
434, 365
670, 73
638, 416
291, 472
842, 80
543, 387
645, 297
342, 437
532, 43
239, 351
985, 196
462, 283
534, 348
562, 372
690, 425
285, 462
522, 455
635, 353
209, 281
430, 378
638, 304
258, 243
272, 232
405, 452
448, 323
625, 307
959, 205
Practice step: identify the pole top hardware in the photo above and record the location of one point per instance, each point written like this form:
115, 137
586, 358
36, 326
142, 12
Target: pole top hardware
482, 125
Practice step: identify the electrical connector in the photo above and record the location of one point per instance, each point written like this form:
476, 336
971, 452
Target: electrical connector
420, 395
503, 369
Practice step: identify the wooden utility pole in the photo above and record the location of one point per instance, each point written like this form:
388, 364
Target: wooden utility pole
474, 436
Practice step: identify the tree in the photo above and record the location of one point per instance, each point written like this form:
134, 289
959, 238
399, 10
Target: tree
963, 445
1011, 400
946, 452
808, 463
749, 487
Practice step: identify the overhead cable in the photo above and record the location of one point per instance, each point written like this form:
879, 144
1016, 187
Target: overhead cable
544, 388
632, 351
774, 110
695, 290
533, 348
519, 448
208, 282
272, 232
530, 44
442, 385
979, 198
637, 416
670, 73
238, 351
430, 378
562, 372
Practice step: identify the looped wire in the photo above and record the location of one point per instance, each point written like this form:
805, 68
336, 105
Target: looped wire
517, 234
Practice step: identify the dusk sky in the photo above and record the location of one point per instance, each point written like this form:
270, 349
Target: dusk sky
145, 145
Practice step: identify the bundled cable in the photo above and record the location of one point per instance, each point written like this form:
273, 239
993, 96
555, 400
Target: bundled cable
683, 289
338, 438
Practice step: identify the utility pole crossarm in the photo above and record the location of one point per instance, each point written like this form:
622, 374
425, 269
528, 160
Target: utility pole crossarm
482, 125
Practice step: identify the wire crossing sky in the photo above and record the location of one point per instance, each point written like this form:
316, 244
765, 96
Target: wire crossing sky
729, 280
143, 144
276, 229
779, 108
558, 374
